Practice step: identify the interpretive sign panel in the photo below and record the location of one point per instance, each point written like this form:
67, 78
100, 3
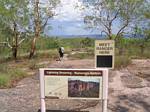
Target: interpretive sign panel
72, 84
104, 53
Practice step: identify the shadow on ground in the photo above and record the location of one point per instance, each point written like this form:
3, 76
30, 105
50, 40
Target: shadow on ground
126, 103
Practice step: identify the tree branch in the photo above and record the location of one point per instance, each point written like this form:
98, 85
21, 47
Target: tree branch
122, 28
115, 16
105, 33
21, 41
8, 44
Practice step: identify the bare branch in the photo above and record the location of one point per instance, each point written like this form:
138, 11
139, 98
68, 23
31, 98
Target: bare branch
21, 41
115, 16
8, 44
122, 28
46, 21
105, 33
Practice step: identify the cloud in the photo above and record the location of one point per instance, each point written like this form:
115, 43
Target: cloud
69, 19
68, 28
69, 10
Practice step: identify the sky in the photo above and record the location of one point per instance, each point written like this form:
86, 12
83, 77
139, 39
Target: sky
86, 79
69, 20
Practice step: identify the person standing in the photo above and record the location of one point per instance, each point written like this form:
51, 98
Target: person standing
61, 53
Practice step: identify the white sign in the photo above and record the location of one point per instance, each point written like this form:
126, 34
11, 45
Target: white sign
104, 53
73, 84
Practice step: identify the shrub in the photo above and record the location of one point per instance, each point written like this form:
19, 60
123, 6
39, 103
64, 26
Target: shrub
122, 61
5, 80
9, 76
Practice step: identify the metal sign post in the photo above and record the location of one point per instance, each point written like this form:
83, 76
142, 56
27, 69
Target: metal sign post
105, 91
42, 96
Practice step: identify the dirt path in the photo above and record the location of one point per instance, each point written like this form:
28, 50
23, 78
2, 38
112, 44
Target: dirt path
129, 91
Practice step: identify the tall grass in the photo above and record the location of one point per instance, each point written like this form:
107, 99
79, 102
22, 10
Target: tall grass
122, 61
9, 76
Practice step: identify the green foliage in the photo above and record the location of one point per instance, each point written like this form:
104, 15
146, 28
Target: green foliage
122, 61
9, 76
14, 20
48, 43
4, 80
87, 42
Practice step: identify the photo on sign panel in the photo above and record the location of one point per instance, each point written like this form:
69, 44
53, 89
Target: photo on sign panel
83, 87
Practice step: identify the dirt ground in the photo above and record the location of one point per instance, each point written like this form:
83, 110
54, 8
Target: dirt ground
129, 91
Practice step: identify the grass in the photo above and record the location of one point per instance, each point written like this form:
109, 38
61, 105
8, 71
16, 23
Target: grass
87, 53
5, 80
80, 56
122, 61
46, 51
10, 76
13, 71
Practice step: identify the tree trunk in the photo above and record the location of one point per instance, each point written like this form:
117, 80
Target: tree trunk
33, 48
37, 29
14, 51
142, 49
15, 44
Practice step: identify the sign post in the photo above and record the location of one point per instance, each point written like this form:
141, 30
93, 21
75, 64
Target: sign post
73, 84
104, 58
42, 96
105, 91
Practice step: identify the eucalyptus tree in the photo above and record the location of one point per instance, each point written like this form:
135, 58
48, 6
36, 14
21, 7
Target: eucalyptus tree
14, 22
108, 14
143, 27
41, 12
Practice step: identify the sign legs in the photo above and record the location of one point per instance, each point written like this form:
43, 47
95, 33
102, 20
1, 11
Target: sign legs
43, 108
105, 90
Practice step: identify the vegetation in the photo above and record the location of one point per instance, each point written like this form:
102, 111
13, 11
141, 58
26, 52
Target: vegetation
47, 51
13, 17
107, 12
40, 20
9, 76
22, 24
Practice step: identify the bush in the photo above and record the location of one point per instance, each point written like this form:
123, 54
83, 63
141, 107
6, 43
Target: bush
9, 76
122, 61
17, 74
5, 80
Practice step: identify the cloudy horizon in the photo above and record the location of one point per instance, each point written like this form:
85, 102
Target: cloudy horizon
70, 20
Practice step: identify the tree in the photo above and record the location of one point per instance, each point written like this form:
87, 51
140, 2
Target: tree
41, 16
14, 21
86, 42
108, 13
142, 29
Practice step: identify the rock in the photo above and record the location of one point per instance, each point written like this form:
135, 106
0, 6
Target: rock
132, 82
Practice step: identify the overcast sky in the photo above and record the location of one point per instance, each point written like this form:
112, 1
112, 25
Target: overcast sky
69, 20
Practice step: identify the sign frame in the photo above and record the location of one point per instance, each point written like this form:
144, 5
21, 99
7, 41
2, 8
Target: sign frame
104, 96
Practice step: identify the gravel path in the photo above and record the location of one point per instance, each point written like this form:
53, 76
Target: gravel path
128, 91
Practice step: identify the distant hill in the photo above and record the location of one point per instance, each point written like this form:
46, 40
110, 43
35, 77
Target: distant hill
96, 36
